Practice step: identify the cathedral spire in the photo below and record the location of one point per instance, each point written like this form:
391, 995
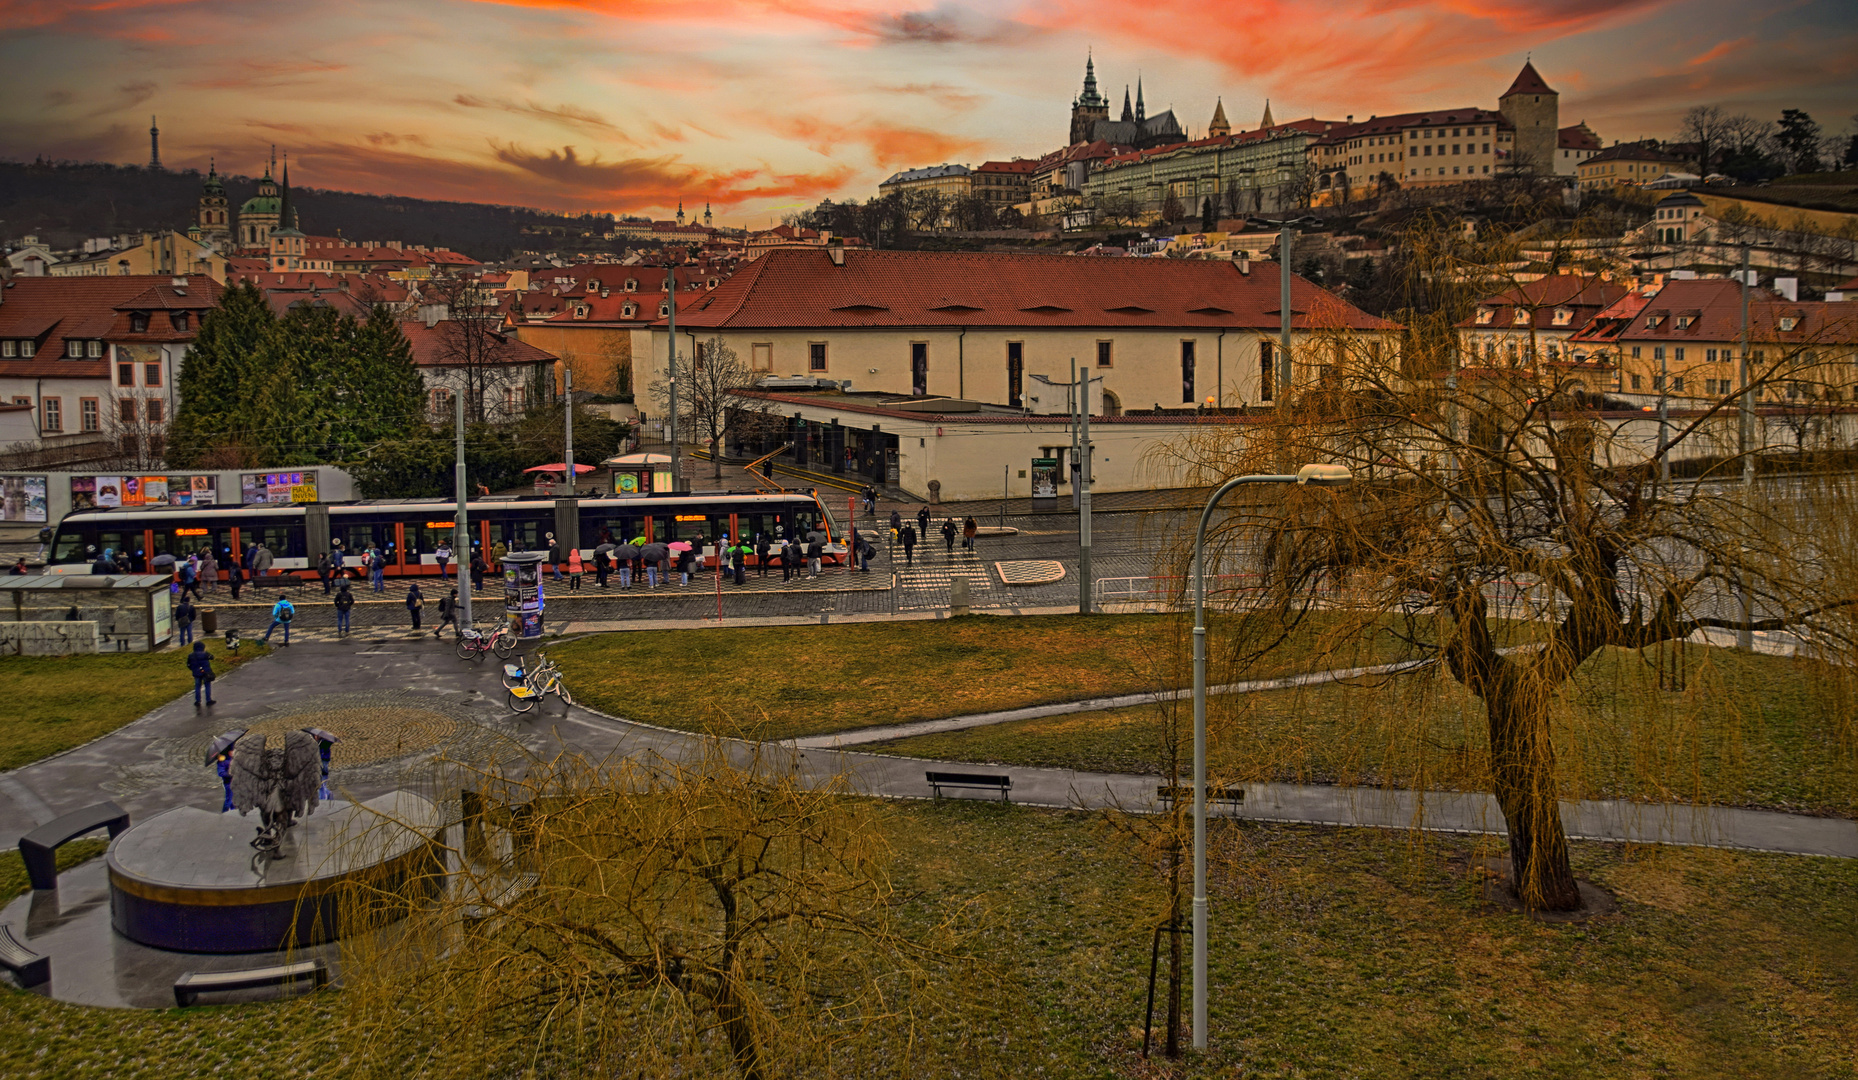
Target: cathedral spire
1267, 122
1219, 125
283, 206
1090, 97
1140, 112
1128, 113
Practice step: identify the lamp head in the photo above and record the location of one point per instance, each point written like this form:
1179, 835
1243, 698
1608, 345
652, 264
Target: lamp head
1324, 475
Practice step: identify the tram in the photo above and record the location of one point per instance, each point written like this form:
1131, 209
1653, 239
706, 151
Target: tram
409, 531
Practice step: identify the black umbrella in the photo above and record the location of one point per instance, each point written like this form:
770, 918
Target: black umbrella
323, 736
605, 548
223, 744
163, 559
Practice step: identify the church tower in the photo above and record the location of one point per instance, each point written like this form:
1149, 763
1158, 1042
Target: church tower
286, 239
1089, 106
1218, 126
261, 212
706, 216
1535, 112
1141, 114
680, 212
1267, 123
1128, 111
213, 222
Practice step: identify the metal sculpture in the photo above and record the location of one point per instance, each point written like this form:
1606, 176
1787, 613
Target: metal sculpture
280, 783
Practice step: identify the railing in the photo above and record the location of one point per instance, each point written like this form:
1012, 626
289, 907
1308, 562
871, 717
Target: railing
1162, 592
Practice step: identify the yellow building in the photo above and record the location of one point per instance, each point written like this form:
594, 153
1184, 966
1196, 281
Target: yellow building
168, 253
1627, 165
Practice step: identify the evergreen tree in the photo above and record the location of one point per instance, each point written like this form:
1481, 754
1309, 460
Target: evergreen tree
386, 380
1209, 219
304, 393
216, 378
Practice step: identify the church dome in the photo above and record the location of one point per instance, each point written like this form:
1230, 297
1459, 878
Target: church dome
261, 204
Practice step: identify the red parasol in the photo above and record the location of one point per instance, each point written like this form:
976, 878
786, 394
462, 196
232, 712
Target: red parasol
561, 468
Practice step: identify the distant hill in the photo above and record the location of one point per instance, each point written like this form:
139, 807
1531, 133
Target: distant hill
65, 203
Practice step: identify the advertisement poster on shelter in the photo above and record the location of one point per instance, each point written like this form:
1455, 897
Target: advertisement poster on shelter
109, 491
22, 498
154, 490
206, 490
131, 491
278, 487
83, 492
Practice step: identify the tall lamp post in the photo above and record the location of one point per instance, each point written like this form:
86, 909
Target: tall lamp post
1322, 476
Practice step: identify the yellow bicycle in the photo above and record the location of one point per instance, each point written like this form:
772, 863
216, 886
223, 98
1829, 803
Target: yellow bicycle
538, 681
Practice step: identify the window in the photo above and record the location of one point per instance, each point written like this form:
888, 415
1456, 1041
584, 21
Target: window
1657, 382
1635, 352
95, 349
632, 285
180, 320
54, 419
151, 374
9, 348
138, 323
1267, 372
442, 403
1658, 352
1521, 318
1187, 372
1563, 316
1015, 373
1635, 382
1654, 322
125, 374
816, 356
90, 413
1677, 384
74, 350
664, 309
1678, 354
761, 356
154, 410
125, 410
628, 311
919, 368
1103, 354
514, 398
1709, 355
1484, 316
1788, 322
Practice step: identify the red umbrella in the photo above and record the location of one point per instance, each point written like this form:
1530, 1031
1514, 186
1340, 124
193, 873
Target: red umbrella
561, 468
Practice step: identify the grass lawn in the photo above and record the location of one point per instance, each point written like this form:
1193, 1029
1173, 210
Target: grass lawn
63, 701
1335, 953
1750, 730
779, 682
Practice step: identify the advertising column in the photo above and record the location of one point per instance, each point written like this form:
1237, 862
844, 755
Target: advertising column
522, 592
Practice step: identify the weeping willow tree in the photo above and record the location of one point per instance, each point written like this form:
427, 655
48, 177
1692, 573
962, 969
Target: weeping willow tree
656, 917
1510, 522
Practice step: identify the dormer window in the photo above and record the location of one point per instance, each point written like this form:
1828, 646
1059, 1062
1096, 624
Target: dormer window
1483, 316
664, 308
1788, 322
181, 320
1563, 316
138, 323
629, 311
74, 350
632, 285
1521, 318
1654, 322
1683, 322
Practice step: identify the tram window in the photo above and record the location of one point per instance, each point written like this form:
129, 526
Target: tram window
425, 539
805, 521
358, 537
610, 530
70, 547
164, 543
753, 525
111, 542
519, 534
284, 541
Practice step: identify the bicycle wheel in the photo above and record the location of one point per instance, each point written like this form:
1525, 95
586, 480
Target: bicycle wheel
521, 702
468, 651
566, 698
505, 644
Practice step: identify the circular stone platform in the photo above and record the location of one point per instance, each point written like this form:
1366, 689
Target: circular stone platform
184, 879
1030, 571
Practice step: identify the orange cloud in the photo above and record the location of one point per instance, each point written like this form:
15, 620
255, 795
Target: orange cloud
1721, 50
888, 145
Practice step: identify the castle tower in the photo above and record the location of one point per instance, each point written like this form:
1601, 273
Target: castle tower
1218, 126
1534, 111
1267, 122
154, 144
213, 221
1140, 113
706, 216
1089, 106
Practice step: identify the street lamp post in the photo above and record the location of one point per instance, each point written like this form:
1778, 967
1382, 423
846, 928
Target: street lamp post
1322, 476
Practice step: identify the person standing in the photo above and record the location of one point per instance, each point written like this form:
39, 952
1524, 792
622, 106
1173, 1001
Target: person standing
948, 534
896, 524
415, 600
497, 552
442, 555
554, 555
209, 567
603, 564
790, 551
235, 578
969, 531
344, 603
448, 613
324, 566
922, 523
183, 617
478, 569
907, 537
200, 662
282, 613
761, 554
870, 501
855, 552
575, 569
815, 554
377, 570
738, 560
261, 562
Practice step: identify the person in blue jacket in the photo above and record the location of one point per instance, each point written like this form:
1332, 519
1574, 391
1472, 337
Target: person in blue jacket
200, 662
281, 613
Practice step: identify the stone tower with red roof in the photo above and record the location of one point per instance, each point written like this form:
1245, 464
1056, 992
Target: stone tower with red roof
1534, 111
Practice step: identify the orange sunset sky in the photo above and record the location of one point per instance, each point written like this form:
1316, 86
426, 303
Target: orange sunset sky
763, 106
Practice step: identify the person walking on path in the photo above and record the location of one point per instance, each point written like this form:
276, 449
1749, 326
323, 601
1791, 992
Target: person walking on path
281, 613
344, 603
554, 555
922, 523
200, 662
415, 600
183, 618
235, 578
442, 555
478, 568
190, 578
855, 553
968, 532
948, 534
497, 552
907, 537
209, 568
324, 566
377, 570
575, 569
448, 613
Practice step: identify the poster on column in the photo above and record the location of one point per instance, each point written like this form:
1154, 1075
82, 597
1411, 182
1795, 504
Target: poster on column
109, 491
206, 490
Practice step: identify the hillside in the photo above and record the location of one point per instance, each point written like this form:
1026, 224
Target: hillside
65, 203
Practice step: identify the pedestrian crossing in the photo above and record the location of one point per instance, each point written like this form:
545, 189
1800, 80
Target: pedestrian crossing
937, 571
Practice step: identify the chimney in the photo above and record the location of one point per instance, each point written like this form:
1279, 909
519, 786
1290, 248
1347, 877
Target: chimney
1788, 287
835, 250
179, 282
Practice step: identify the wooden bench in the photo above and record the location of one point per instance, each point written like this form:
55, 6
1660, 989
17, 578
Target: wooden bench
28, 967
979, 781
1168, 794
38, 849
195, 983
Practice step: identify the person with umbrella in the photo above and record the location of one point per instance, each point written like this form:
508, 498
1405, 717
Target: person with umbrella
654, 554
686, 555
604, 557
219, 755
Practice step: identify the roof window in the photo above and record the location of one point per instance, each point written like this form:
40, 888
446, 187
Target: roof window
1484, 316
1788, 322
1563, 316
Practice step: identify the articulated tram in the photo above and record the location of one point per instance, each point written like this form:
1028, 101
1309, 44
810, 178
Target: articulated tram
409, 531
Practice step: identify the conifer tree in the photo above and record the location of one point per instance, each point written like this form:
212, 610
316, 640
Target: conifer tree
386, 380
216, 377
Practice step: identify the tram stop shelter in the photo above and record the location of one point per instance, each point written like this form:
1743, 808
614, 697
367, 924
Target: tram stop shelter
63, 614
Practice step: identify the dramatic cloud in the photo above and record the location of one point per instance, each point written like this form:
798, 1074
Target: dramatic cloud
759, 105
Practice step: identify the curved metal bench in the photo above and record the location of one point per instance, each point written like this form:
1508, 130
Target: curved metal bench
28, 967
39, 848
195, 983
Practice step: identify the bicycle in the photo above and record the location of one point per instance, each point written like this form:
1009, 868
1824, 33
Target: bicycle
473, 643
538, 684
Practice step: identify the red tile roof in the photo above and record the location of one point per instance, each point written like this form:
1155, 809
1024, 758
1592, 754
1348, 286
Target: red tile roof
1024, 166
1577, 137
803, 288
431, 346
1398, 122
1711, 310
1585, 297
1528, 82
51, 311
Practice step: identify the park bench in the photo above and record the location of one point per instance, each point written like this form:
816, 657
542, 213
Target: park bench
1167, 793
28, 967
195, 983
978, 781
38, 849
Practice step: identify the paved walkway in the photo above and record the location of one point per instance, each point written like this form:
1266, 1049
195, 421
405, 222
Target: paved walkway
154, 763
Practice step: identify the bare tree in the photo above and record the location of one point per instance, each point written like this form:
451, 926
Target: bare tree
471, 341
1707, 128
707, 380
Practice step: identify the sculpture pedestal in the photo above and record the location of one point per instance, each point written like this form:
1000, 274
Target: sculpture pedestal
185, 879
